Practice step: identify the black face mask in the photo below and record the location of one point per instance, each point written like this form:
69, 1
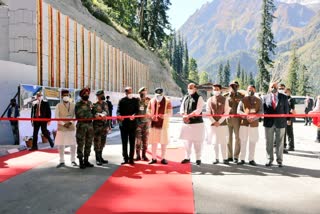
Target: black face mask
13, 104
103, 98
85, 97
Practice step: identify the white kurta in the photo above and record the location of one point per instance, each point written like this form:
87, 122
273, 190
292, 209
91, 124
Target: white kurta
65, 136
193, 132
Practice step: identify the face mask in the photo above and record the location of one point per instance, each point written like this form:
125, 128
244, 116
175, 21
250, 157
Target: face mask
13, 104
85, 97
216, 93
191, 91
103, 98
39, 98
251, 93
274, 90
281, 91
65, 99
35, 102
159, 98
130, 96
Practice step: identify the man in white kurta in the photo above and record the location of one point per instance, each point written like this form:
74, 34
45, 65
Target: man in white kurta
249, 126
160, 109
192, 130
217, 105
66, 129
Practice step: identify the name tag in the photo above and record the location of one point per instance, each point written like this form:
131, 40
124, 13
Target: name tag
252, 111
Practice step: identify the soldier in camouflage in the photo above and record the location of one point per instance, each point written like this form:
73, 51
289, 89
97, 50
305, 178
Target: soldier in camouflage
142, 132
84, 132
101, 127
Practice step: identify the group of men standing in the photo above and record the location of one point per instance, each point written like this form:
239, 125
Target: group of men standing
235, 114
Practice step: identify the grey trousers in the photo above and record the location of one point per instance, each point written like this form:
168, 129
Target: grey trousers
278, 133
234, 127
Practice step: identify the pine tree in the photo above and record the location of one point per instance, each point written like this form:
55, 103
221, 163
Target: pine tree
186, 60
220, 74
292, 76
251, 79
242, 79
304, 85
203, 77
266, 45
226, 74
238, 70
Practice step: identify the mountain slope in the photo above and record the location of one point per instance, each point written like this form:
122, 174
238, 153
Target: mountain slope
227, 29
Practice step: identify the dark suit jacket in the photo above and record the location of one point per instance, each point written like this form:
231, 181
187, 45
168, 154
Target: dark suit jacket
309, 107
45, 111
282, 108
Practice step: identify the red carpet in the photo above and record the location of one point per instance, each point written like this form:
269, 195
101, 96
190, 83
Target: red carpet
144, 188
20, 162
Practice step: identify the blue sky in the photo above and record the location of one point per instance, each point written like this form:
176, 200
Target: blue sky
181, 10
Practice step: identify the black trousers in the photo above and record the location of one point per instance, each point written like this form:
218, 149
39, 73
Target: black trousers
15, 131
44, 130
289, 133
128, 133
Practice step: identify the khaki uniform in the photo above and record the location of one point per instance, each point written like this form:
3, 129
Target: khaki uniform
234, 125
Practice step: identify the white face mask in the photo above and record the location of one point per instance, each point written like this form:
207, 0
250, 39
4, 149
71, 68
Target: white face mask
130, 96
66, 99
281, 91
191, 91
216, 93
159, 98
35, 102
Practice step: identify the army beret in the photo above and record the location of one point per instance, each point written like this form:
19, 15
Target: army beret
142, 89
99, 92
158, 91
83, 91
234, 83
217, 85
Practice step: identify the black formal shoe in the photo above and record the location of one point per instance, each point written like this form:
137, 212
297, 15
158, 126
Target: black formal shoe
153, 161
33, 149
131, 162
185, 161
74, 163
236, 160
280, 165
285, 151
198, 162
125, 162
51, 144
60, 165
145, 158
269, 164
138, 158
291, 149
230, 159
252, 163
241, 162
164, 161
216, 162
226, 161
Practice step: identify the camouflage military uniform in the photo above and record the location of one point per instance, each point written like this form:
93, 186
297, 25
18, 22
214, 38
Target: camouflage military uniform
100, 126
142, 131
84, 133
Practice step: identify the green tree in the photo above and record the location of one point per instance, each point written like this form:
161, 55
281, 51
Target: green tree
203, 77
251, 79
193, 66
292, 75
267, 45
220, 74
193, 76
226, 74
238, 70
304, 84
186, 60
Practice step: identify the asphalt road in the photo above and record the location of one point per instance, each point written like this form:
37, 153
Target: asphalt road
295, 188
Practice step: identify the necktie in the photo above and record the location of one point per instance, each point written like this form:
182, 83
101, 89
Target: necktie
274, 101
38, 110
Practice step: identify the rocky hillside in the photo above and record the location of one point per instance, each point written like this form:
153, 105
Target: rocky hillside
227, 30
159, 74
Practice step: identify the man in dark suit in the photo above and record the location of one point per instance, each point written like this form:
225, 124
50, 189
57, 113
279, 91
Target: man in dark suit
308, 102
275, 103
128, 106
40, 109
13, 112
